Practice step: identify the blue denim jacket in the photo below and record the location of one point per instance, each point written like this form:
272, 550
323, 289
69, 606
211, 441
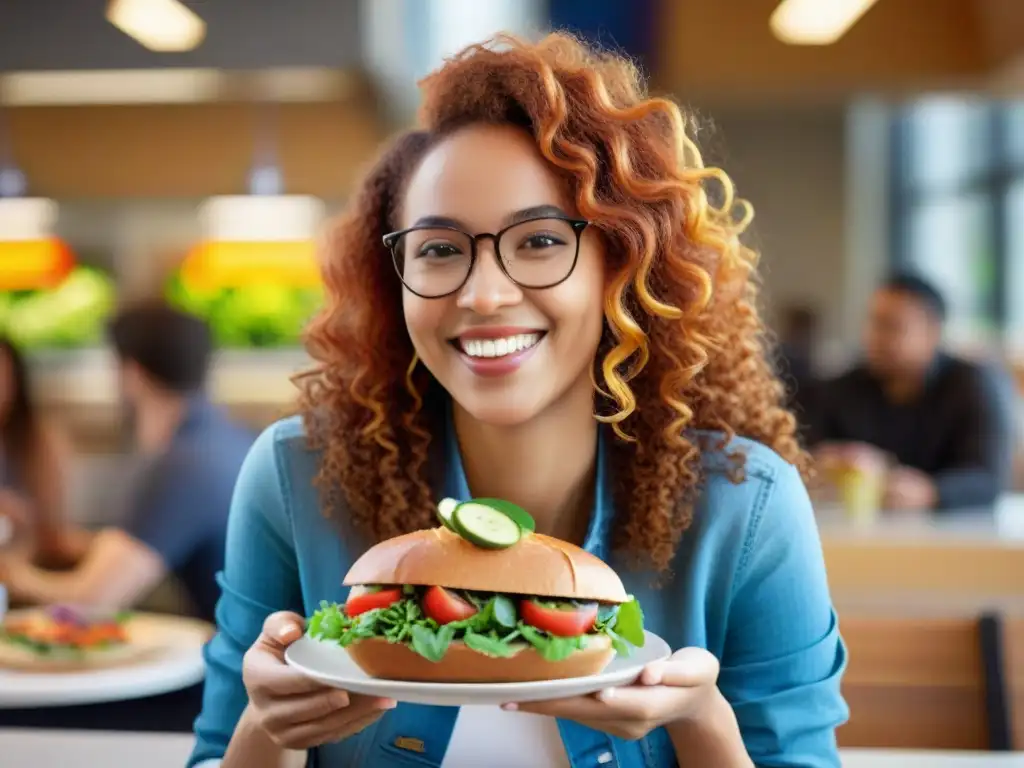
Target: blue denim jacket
748, 584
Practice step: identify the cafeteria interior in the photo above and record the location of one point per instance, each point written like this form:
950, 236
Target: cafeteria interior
201, 168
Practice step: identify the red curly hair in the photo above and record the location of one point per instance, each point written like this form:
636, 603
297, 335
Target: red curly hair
684, 345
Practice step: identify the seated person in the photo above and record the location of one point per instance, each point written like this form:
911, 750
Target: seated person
939, 422
34, 465
180, 508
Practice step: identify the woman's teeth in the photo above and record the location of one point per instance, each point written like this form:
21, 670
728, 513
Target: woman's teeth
499, 347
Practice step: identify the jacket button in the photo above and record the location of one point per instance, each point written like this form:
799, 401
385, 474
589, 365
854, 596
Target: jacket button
604, 758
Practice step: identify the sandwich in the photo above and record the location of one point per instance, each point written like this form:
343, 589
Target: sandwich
64, 638
482, 598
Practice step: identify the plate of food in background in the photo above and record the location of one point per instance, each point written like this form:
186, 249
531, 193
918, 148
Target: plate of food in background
65, 654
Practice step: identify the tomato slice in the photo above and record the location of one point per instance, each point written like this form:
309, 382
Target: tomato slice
370, 600
445, 607
562, 622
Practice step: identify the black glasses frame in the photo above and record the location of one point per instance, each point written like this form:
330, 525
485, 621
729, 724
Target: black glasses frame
392, 238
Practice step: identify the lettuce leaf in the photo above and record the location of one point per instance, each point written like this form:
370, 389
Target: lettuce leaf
495, 630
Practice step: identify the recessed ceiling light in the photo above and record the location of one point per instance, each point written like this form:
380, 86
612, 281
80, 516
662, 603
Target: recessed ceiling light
816, 22
166, 26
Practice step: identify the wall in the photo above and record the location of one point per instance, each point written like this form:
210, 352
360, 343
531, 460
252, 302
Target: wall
182, 151
790, 164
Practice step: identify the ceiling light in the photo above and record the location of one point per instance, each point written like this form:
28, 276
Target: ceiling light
116, 86
816, 22
166, 26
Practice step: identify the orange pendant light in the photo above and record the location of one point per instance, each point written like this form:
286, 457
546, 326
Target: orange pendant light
256, 240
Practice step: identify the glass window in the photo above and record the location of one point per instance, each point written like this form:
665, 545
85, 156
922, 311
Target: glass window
948, 142
1015, 258
950, 242
1015, 136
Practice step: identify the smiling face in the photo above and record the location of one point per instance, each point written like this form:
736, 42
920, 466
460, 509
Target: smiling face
503, 352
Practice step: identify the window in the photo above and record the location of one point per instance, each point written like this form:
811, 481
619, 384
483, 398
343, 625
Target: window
1014, 217
946, 147
951, 242
958, 208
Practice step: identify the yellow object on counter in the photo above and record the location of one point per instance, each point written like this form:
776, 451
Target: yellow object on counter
860, 492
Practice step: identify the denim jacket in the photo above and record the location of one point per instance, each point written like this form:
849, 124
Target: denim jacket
748, 584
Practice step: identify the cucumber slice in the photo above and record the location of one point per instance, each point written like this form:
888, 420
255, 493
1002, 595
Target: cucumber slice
517, 513
485, 526
444, 513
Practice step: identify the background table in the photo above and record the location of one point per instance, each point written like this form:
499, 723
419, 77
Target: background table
77, 749
884, 758
960, 554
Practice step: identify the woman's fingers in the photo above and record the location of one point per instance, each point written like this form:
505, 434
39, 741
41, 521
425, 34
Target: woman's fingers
280, 630
334, 728
266, 677
280, 715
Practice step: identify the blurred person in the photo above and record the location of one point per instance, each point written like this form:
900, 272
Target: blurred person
533, 298
939, 423
35, 461
179, 509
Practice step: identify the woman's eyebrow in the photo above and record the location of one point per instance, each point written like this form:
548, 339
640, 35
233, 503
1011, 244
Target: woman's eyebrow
536, 212
438, 221
524, 214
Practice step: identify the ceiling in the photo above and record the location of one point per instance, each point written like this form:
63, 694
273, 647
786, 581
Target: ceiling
241, 34
898, 46
704, 50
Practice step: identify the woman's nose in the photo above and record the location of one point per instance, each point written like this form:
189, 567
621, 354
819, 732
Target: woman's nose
488, 288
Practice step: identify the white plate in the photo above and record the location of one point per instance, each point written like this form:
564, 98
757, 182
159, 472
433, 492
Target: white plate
176, 663
332, 666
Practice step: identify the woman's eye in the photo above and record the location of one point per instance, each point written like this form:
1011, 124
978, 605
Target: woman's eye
438, 251
537, 242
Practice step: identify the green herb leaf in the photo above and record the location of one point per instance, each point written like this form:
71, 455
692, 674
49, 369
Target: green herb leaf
431, 645
488, 646
559, 648
622, 648
629, 623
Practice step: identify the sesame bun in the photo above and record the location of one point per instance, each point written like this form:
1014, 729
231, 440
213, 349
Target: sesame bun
536, 565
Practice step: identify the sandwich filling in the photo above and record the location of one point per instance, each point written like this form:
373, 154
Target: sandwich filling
429, 619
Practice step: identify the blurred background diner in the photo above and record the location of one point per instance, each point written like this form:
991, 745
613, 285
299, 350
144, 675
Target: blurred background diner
167, 166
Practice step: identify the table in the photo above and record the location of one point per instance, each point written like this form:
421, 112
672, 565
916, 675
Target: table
30, 748
26, 748
894, 758
959, 555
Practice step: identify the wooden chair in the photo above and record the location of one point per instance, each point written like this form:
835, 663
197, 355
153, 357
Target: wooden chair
918, 682
1013, 657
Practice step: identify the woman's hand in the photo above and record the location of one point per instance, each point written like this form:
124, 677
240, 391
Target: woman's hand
295, 711
678, 689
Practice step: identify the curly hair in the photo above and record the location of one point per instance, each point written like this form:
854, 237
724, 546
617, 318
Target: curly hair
684, 347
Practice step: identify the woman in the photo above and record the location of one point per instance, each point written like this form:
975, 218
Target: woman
629, 302
34, 458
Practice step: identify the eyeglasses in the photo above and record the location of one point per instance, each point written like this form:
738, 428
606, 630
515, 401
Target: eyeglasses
436, 261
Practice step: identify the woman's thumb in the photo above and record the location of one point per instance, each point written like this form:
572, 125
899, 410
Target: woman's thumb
281, 629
